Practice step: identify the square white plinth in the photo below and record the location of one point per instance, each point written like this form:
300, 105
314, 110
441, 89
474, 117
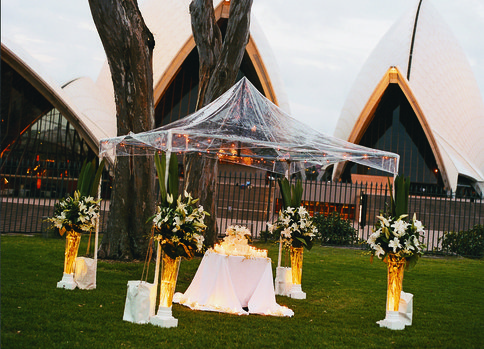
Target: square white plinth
67, 282
164, 318
397, 320
297, 292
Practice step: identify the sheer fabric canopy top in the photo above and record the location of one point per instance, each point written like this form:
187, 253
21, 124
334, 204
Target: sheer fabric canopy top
244, 127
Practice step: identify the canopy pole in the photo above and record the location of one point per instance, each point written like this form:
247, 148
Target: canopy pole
280, 252
158, 245
279, 257
157, 266
168, 155
96, 235
395, 174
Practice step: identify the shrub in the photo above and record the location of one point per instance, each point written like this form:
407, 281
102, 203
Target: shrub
334, 230
465, 243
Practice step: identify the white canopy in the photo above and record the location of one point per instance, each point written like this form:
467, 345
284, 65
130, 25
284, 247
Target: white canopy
244, 127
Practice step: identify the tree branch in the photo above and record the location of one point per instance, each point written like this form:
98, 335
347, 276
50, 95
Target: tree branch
233, 49
208, 39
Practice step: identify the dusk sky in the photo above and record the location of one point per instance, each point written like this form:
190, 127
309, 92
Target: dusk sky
320, 45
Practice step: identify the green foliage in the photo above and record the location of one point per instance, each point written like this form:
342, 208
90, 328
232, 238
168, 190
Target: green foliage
295, 227
170, 186
179, 222
173, 179
291, 194
399, 199
345, 297
266, 235
89, 177
465, 243
334, 230
160, 164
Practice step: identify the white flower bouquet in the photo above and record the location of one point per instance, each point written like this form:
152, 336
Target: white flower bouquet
237, 235
398, 237
78, 213
296, 227
236, 243
179, 227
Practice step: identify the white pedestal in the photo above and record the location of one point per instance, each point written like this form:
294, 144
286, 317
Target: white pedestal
397, 320
297, 292
164, 318
67, 282
283, 281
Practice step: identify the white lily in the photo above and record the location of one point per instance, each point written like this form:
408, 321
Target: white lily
379, 251
395, 243
400, 228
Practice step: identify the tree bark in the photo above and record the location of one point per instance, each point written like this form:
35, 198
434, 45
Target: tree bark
233, 49
208, 39
128, 44
218, 71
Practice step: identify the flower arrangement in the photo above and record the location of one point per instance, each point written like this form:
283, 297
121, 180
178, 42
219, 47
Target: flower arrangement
393, 234
179, 226
237, 235
236, 243
295, 226
398, 237
78, 213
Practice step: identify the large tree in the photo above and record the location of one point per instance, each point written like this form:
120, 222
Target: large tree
128, 44
219, 62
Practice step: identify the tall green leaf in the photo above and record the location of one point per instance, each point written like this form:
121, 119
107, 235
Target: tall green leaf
97, 178
160, 164
392, 201
173, 180
87, 176
400, 194
285, 191
291, 194
82, 175
297, 192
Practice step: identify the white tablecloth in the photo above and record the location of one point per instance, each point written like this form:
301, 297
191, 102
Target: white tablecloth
230, 283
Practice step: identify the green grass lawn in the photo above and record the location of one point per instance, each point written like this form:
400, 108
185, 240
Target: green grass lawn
346, 295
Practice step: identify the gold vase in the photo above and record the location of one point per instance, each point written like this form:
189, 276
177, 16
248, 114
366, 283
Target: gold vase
396, 267
296, 264
169, 275
73, 240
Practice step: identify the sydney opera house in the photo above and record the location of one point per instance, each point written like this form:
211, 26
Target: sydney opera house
415, 96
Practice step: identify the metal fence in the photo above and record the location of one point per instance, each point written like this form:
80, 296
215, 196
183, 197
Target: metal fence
249, 199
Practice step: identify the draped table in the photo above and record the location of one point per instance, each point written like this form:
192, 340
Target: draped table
226, 283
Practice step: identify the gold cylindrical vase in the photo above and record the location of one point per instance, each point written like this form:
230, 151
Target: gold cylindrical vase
73, 239
169, 275
396, 267
296, 264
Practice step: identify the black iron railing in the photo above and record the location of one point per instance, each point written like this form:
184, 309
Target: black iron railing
30, 190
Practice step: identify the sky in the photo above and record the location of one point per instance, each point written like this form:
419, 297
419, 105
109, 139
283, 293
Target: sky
319, 45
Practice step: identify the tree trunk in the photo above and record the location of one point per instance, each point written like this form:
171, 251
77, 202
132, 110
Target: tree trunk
218, 71
233, 49
208, 38
128, 44
201, 182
